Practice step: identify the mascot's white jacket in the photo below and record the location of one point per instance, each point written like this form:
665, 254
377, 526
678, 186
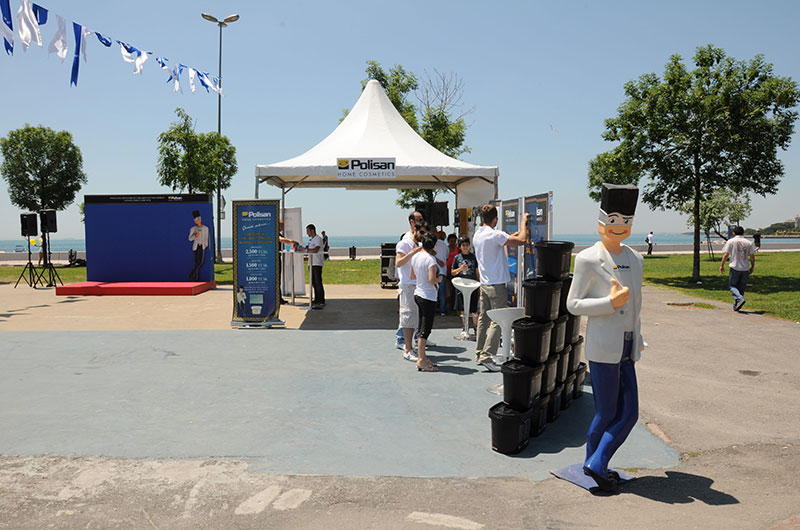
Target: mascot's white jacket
590, 295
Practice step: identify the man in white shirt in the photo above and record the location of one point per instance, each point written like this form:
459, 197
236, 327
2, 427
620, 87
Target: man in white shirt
198, 235
408, 311
651, 240
317, 257
489, 244
739, 249
413, 219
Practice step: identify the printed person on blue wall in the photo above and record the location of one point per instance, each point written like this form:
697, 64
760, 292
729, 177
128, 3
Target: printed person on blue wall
607, 287
198, 235
241, 303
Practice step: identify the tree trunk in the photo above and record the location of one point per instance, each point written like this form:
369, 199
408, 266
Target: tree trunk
696, 213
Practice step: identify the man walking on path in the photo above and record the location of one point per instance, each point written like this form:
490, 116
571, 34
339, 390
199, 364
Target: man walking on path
739, 249
317, 262
757, 239
489, 244
650, 242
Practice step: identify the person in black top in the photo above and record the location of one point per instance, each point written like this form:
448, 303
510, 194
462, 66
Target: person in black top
465, 265
757, 239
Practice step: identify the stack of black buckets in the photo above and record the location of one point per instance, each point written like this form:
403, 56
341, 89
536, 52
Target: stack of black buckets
546, 373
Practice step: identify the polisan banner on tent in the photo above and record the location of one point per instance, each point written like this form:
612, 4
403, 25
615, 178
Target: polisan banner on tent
347, 168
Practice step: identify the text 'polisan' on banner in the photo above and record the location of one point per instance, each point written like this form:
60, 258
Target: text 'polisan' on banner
365, 167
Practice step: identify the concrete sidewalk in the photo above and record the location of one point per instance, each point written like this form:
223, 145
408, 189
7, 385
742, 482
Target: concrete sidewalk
317, 428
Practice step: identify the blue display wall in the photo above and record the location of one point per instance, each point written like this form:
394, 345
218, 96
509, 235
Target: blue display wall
145, 238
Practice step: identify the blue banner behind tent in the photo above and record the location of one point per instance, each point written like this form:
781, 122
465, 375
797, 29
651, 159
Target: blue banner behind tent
511, 218
255, 255
145, 238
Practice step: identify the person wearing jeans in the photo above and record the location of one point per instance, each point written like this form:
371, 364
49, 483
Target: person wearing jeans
739, 250
489, 244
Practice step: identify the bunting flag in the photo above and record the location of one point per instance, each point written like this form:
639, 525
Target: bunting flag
27, 25
40, 14
7, 27
30, 18
80, 48
105, 41
59, 44
130, 54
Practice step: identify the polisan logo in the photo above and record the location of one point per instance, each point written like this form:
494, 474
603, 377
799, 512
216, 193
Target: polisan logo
246, 213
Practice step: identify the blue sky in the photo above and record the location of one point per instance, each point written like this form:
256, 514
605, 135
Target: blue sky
291, 67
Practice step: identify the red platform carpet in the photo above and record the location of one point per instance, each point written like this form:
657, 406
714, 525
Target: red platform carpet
135, 288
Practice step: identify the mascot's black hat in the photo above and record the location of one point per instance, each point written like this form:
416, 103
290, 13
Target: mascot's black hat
195, 214
621, 199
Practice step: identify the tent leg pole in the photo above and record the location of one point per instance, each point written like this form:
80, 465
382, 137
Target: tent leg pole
256, 196
283, 203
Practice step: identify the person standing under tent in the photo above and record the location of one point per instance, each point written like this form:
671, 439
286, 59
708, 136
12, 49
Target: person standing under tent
414, 218
408, 310
441, 252
425, 272
465, 265
317, 257
490, 250
198, 235
452, 252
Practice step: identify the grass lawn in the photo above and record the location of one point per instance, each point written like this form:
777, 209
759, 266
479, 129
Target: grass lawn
774, 288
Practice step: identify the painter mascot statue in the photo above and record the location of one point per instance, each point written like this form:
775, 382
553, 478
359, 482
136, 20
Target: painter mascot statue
607, 288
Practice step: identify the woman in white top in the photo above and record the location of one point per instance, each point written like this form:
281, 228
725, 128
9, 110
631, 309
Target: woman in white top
426, 272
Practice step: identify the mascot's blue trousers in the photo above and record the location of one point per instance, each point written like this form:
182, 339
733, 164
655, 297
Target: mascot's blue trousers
616, 402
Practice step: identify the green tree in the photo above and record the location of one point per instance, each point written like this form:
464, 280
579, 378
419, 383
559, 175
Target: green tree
721, 209
43, 168
440, 97
193, 161
717, 126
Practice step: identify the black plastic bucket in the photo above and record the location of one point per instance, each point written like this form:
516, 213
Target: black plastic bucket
511, 429
568, 393
553, 259
549, 374
574, 355
521, 384
573, 329
580, 377
562, 368
531, 340
542, 298
539, 415
559, 334
554, 406
565, 285
577, 353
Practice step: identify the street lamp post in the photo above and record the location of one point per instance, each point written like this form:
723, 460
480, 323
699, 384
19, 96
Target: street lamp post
221, 23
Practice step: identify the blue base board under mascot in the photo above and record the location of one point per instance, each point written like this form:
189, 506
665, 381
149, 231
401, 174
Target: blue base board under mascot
149, 238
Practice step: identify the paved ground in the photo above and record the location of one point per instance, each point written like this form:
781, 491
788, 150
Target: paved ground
315, 428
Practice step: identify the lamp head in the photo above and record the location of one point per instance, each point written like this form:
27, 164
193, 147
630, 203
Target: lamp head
210, 18
231, 18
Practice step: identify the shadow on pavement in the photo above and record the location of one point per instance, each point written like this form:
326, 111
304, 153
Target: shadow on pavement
353, 314
679, 488
569, 430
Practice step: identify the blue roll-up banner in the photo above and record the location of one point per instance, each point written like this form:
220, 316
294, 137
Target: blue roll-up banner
509, 210
539, 206
256, 298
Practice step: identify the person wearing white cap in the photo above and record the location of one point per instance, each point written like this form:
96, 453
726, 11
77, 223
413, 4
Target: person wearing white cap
198, 235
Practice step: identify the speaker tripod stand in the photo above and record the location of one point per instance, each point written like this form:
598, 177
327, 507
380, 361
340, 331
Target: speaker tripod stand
48, 270
29, 272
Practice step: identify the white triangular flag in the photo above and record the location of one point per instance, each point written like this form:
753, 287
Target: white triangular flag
191, 79
28, 26
85, 32
59, 43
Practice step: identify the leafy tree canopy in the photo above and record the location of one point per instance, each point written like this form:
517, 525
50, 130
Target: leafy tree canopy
717, 126
43, 168
193, 161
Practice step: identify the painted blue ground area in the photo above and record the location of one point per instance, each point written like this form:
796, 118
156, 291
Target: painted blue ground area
290, 402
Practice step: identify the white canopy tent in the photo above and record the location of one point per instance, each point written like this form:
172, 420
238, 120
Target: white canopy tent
374, 129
